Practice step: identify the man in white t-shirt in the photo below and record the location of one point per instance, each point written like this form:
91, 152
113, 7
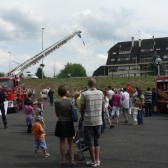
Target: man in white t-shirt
125, 104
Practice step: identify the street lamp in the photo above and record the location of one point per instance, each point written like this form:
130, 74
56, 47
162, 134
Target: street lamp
42, 50
158, 61
9, 60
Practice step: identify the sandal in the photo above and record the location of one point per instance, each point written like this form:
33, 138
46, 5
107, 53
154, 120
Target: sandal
73, 162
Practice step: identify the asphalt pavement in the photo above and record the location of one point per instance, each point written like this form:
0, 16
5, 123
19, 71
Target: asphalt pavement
125, 146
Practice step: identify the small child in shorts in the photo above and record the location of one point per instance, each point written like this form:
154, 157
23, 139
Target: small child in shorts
39, 137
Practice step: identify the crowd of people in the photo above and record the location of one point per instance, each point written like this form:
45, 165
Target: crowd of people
98, 108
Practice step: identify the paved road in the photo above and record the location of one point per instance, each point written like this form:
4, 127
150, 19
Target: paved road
125, 146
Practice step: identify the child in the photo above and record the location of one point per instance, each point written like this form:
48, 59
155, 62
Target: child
39, 112
29, 116
39, 137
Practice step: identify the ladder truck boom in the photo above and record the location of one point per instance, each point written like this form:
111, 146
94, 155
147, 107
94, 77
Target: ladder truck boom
15, 95
19, 69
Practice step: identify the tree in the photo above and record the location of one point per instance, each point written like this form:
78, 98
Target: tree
1, 74
153, 68
39, 73
72, 70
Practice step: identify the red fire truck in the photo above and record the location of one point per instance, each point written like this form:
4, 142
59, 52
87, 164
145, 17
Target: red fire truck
10, 83
162, 93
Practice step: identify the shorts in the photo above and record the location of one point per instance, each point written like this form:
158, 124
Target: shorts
92, 135
115, 111
41, 143
125, 111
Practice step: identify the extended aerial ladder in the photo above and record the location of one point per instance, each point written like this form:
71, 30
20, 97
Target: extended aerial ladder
10, 82
18, 70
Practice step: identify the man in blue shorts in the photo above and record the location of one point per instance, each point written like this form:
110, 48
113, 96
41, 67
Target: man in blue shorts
91, 113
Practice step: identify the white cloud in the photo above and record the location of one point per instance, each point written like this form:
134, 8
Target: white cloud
103, 23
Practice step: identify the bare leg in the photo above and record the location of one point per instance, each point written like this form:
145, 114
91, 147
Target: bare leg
71, 148
92, 153
62, 149
97, 153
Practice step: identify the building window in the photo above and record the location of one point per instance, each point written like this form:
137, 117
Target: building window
124, 52
123, 59
114, 53
165, 56
112, 59
146, 50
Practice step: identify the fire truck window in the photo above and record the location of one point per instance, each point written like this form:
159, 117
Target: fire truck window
165, 86
6, 84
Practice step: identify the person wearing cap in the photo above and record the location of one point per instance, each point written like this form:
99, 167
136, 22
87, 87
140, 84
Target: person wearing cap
39, 137
2, 108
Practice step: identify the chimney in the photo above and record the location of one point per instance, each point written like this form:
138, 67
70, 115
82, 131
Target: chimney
132, 41
139, 42
153, 38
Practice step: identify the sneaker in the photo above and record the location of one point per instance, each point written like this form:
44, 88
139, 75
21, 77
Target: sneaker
47, 155
98, 163
91, 164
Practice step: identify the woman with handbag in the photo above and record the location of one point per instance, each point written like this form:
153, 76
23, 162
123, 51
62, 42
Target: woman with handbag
64, 126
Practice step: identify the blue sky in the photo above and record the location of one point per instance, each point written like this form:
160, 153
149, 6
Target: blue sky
103, 23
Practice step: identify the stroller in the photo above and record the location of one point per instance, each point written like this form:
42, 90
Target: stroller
79, 142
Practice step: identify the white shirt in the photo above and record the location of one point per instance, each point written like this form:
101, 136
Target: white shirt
109, 94
125, 102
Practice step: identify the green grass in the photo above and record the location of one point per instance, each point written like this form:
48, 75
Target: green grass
79, 83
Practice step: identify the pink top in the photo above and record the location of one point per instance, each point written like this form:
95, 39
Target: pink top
116, 99
28, 109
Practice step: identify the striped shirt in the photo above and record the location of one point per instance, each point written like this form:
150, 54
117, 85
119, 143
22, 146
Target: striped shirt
148, 97
92, 99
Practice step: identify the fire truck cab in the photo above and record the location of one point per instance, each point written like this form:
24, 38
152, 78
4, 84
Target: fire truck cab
9, 85
162, 93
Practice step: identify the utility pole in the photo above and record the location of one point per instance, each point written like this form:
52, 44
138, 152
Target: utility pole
42, 50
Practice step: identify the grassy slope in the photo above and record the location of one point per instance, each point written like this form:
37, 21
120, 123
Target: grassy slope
78, 83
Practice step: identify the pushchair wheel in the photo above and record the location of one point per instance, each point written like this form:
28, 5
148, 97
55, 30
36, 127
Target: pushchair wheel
80, 156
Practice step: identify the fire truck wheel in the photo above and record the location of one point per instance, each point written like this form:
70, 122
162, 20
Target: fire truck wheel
11, 110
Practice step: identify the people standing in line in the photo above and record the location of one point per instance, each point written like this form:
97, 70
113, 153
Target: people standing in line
154, 101
29, 111
39, 137
116, 99
148, 103
51, 96
64, 126
2, 107
126, 105
138, 108
91, 113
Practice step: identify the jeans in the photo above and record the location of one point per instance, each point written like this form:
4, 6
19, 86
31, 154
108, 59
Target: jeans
2, 108
148, 109
140, 117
